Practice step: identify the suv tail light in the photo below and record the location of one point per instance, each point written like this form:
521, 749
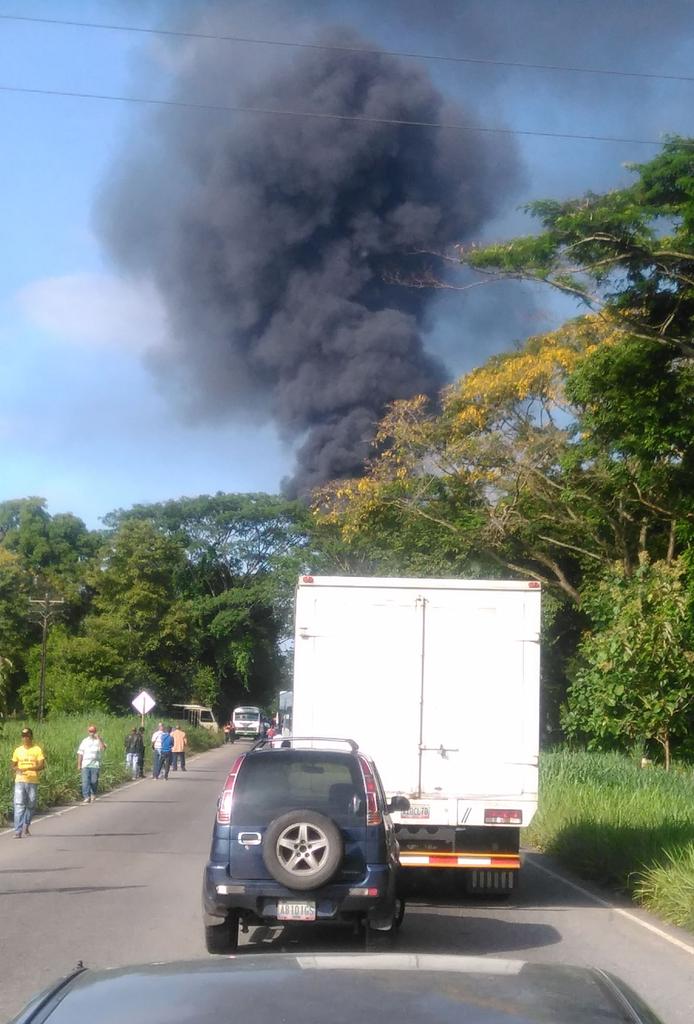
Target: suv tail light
224, 805
502, 817
373, 814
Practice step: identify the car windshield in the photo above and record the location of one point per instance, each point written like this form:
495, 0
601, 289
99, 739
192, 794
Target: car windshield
273, 782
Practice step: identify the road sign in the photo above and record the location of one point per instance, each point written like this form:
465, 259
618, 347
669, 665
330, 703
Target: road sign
143, 703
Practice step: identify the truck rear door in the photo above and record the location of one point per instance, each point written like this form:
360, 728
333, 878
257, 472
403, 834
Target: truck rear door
480, 689
357, 665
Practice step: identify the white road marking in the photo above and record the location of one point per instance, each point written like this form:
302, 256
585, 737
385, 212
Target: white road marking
611, 906
73, 807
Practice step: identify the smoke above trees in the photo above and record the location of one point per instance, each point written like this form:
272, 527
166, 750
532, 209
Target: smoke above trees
274, 240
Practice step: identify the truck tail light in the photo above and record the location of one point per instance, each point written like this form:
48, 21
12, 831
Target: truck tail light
495, 816
373, 814
224, 805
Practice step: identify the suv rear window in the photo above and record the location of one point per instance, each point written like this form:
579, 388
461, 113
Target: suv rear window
271, 783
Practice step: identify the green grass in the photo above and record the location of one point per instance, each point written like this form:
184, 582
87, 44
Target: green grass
59, 737
622, 826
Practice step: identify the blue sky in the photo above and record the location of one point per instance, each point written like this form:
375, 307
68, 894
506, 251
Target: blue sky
83, 420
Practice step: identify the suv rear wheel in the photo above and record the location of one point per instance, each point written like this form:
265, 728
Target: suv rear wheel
223, 937
303, 849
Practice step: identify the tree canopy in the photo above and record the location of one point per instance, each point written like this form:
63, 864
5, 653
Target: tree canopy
188, 598
627, 252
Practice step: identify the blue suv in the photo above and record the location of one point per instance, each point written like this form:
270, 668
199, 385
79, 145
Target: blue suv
302, 834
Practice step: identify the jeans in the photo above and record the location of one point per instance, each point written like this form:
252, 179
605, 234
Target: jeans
24, 804
90, 780
156, 763
179, 758
165, 763
132, 762
141, 766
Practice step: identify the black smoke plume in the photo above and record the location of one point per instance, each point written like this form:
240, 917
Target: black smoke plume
273, 239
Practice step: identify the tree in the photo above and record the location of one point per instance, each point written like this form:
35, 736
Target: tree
635, 676
82, 675
54, 547
635, 415
490, 479
243, 553
16, 631
139, 618
227, 537
6, 667
628, 253
205, 687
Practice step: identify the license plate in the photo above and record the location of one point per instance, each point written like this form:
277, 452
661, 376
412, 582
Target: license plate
291, 910
416, 811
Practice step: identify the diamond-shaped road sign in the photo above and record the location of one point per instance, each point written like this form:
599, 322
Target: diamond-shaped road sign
143, 703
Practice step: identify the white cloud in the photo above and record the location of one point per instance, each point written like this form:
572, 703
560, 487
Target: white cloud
96, 311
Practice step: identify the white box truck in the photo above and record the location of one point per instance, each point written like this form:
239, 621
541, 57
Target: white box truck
437, 680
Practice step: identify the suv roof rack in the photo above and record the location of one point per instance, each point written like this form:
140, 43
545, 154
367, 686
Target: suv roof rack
275, 741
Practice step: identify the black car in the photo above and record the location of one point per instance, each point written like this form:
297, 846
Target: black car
346, 987
302, 834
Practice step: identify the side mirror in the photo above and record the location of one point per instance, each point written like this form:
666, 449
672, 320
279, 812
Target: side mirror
399, 803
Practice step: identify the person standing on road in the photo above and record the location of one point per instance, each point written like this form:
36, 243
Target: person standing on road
140, 751
180, 742
132, 741
89, 763
166, 752
27, 764
156, 750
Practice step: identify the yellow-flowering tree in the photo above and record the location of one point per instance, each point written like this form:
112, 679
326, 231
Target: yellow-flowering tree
454, 482
524, 467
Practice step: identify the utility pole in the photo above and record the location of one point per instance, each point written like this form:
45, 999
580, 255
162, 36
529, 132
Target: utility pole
43, 608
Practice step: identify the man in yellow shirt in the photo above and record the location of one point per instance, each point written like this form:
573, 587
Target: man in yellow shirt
27, 764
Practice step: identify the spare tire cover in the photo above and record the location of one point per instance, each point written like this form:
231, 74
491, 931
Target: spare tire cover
303, 849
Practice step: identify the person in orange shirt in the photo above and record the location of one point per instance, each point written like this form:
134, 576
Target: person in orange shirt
27, 764
180, 742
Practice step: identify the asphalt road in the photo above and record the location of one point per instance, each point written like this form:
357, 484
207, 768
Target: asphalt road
118, 882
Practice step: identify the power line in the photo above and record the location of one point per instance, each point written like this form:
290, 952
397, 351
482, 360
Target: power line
359, 118
256, 41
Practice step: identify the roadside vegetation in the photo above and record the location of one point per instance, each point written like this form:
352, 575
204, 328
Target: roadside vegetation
620, 825
59, 738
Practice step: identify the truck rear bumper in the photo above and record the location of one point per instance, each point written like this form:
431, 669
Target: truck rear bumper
492, 847
426, 859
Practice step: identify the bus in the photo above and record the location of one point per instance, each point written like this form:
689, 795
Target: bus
198, 715
247, 721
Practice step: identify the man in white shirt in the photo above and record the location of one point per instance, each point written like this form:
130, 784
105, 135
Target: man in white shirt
89, 763
157, 737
